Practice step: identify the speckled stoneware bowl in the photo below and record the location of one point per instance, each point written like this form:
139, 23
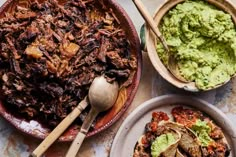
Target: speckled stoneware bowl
105, 120
133, 126
149, 40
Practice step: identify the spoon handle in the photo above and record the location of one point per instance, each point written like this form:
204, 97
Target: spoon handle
64, 124
148, 18
75, 146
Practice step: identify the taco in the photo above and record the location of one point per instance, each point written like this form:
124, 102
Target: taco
164, 143
189, 141
211, 137
199, 136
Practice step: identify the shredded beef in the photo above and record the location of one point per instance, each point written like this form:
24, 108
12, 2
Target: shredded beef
50, 54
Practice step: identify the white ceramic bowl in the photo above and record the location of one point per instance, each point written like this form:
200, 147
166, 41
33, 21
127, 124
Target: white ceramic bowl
133, 126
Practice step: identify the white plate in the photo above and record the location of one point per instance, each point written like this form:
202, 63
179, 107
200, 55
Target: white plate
133, 127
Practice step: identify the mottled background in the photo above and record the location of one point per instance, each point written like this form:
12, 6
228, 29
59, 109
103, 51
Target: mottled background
15, 144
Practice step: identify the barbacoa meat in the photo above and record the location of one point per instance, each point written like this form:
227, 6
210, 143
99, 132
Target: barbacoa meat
50, 53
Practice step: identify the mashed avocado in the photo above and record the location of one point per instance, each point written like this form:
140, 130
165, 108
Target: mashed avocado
203, 40
161, 143
202, 130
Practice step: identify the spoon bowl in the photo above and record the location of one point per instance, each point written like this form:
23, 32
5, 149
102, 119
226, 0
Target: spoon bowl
102, 96
174, 69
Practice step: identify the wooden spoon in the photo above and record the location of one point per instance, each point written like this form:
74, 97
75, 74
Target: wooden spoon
102, 95
56, 133
172, 65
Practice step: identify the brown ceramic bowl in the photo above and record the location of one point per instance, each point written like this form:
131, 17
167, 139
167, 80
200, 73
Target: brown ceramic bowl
150, 40
35, 129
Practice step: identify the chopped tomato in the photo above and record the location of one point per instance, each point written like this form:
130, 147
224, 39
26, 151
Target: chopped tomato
159, 116
144, 140
154, 126
186, 117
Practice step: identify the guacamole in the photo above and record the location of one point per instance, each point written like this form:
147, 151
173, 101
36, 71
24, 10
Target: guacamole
161, 143
202, 130
203, 40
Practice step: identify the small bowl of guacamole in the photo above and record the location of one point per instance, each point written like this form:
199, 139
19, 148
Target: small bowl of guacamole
202, 37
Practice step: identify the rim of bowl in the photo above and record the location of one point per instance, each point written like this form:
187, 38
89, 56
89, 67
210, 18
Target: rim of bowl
225, 5
133, 87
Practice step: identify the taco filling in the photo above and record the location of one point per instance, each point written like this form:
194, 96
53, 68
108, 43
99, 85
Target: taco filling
202, 130
211, 137
189, 134
161, 143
